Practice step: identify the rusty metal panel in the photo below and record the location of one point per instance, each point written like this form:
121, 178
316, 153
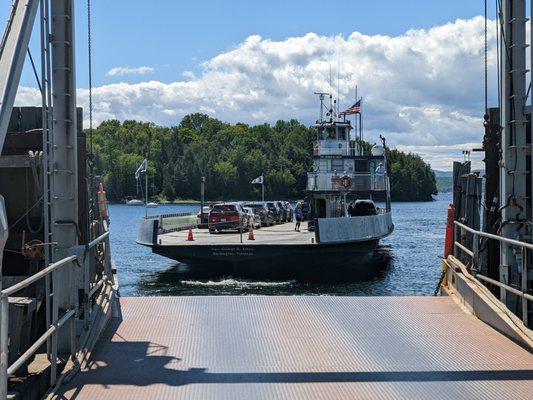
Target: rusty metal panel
302, 347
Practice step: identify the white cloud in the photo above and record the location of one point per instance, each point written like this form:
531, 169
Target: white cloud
422, 90
120, 71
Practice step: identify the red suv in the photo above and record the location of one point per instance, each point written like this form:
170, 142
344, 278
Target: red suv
227, 216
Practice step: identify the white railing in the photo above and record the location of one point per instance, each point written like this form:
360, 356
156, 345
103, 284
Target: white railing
336, 148
329, 181
50, 336
474, 255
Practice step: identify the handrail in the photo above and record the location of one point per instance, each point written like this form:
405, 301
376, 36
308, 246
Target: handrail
58, 321
495, 237
39, 342
5, 369
504, 286
100, 238
34, 278
522, 293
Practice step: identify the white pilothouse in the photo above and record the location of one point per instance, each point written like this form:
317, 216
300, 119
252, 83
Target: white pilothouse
345, 182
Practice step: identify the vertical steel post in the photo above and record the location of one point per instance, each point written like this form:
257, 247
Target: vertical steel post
48, 311
55, 312
63, 151
4, 348
513, 197
73, 306
475, 250
108, 267
87, 287
523, 286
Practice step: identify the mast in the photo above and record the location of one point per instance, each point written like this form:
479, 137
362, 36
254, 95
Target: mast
146, 190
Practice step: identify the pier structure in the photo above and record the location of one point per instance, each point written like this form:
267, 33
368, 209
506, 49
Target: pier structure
515, 175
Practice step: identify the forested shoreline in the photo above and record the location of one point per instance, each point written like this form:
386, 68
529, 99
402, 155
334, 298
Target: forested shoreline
229, 156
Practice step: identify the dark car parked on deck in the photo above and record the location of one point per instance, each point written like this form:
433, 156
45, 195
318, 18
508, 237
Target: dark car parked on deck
267, 216
282, 210
276, 212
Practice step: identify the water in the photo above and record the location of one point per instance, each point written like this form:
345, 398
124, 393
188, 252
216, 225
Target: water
409, 258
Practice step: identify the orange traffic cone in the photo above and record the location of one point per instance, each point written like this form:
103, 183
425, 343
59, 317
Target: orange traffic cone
251, 234
190, 238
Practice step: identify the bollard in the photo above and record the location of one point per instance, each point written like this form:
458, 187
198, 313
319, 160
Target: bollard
449, 239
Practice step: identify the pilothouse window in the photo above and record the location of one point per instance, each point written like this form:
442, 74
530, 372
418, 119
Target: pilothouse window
342, 132
337, 165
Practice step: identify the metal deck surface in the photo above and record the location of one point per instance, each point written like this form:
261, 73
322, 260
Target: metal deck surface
302, 347
277, 234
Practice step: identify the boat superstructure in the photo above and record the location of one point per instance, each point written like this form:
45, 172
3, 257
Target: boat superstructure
345, 183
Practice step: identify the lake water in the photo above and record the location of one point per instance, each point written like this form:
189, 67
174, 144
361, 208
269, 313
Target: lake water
409, 259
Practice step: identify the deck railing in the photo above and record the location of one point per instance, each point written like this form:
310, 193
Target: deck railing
331, 181
474, 255
55, 322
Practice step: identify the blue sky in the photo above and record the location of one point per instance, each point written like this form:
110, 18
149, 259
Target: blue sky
418, 64
176, 36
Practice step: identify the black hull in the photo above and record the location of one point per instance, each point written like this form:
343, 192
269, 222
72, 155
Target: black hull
277, 260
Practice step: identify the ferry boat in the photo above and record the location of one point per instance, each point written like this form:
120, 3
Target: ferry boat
349, 212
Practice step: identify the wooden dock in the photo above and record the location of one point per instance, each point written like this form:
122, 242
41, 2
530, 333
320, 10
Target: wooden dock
301, 347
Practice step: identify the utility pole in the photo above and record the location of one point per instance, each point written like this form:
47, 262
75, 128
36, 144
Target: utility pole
202, 195
513, 174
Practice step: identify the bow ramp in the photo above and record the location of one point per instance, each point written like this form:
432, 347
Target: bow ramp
302, 348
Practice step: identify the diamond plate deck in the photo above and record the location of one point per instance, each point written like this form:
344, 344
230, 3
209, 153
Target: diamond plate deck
260, 347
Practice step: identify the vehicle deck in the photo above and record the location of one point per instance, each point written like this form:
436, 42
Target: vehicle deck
301, 347
277, 234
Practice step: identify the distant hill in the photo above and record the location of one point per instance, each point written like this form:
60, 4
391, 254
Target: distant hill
229, 156
442, 174
444, 184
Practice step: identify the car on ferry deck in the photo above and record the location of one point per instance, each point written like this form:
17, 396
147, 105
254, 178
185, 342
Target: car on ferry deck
289, 211
203, 216
276, 212
267, 216
282, 210
254, 219
225, 216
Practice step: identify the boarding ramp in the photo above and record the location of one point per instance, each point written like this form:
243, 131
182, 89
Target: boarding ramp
301, 347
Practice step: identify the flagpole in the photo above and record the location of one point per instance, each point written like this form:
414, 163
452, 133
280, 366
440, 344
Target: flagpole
263, 188
146, 187
355, 118
361, 118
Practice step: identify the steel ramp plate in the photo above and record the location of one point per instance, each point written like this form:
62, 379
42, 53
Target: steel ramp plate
302, 347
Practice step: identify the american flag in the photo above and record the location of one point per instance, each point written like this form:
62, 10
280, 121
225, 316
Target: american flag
355, 109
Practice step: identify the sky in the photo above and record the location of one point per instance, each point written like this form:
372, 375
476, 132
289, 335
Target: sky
418, 64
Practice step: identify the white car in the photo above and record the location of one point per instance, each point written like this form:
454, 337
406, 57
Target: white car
253, 218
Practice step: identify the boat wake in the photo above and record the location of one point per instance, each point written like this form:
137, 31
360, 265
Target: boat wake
238, 284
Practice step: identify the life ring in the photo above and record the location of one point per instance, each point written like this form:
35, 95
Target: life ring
346, 182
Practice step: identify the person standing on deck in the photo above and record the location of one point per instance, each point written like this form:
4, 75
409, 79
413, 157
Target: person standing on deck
298, 215
380, 176
351, 209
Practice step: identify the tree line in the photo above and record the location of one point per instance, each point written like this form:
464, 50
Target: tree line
229, 156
